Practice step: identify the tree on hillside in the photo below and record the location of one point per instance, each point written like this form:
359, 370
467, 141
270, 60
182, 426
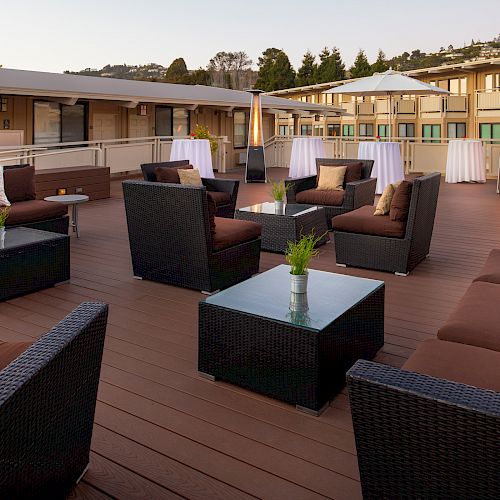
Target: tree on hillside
361, 66
275, 71
177, 71
199, 76
219, 67
331, 67
241, 64
306, 75
380, 65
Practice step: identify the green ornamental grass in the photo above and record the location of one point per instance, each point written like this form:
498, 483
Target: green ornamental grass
300, 253
279, 190
4, 213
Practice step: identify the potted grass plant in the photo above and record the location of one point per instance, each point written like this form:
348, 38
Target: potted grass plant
299, 255
278, 190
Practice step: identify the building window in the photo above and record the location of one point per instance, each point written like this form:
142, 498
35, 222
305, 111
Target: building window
318, 130
457, 130
54, 122
328, 98
383, 130
283, 130
333, 130
489, 130
3, 104
171, 121
406, 130
492, 82
430, 132
292, 130
348, 130
306, 130
180, 122
457, 86
163, 121
365, 130
240, 129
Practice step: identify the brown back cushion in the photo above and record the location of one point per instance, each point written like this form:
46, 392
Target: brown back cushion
212, 209
169, 174
400, 204
20, 183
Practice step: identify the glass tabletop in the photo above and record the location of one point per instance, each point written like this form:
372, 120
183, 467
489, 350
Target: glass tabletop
21, 236
268, 295
290, 210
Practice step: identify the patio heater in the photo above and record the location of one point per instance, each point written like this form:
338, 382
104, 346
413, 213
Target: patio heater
256, 164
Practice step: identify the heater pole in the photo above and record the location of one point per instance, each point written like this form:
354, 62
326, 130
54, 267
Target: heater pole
256, 165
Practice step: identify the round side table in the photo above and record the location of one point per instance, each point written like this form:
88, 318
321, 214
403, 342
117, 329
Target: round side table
74, 200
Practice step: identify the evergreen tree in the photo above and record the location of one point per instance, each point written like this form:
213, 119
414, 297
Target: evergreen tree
306, 75
177, 71
275, 71
380, 65
331, 68
361, 66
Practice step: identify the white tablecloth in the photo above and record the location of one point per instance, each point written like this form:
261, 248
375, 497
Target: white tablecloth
465, 162
387, 166
304, 154
197, 151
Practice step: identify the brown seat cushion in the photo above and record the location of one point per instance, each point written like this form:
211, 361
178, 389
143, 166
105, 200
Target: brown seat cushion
460, 363
169, 174
400, 204
220, 197
330, 198
20, 183
9, 351
24, 212
491, 269
363, 221
230, 232
476, 320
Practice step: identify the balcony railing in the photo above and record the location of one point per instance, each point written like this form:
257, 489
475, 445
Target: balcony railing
487, 100
365, 108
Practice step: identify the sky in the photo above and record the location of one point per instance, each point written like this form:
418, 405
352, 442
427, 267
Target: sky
58, 35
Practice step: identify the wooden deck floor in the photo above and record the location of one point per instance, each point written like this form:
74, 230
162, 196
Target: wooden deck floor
161, 431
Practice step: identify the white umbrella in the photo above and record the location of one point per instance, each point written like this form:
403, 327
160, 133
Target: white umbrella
389, 83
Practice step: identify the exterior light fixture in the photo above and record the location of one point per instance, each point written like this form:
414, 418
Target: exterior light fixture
256, 164
61, 191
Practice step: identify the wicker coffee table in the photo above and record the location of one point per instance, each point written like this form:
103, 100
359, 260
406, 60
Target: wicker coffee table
278, 228
31, 260
249, 336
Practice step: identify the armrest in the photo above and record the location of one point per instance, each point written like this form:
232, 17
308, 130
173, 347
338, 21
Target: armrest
297, 185
360, 193
223, 185
422, 437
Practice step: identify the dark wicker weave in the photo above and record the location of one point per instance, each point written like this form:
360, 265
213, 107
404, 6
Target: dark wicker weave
398, 255
47, 405
42, 263
278, 230
221, 185
357, 194
295, 364
59, 225
422, 437
170, 239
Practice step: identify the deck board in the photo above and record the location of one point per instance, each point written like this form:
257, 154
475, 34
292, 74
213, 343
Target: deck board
161, 431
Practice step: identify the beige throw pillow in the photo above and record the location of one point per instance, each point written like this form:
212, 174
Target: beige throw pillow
190, 177
331, 178
4, 201
384, 203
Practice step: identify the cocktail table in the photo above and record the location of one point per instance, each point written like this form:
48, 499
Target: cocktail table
74, 200
280, 227
249, 336
31, 259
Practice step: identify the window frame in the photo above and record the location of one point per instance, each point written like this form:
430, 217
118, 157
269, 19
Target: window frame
431, 139
246, 125
367, 126
456, 125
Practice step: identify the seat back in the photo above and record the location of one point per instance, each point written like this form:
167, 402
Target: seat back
149, 169
47, 405
366, 167
169, 231
421, 216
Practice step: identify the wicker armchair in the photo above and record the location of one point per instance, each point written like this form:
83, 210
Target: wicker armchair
213, 185
47, 404
398, 255
423, 437
357, 194
171, 241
